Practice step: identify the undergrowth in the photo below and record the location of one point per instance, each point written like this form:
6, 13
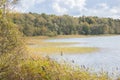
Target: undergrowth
46, 69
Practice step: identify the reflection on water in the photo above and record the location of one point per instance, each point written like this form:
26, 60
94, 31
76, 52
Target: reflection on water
107, 59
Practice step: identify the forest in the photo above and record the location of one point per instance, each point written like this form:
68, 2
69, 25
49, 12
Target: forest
33, 24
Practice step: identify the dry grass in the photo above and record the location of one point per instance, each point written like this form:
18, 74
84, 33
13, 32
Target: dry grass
37, 45
64, 50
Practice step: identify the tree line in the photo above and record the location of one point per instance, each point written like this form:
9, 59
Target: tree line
33, 24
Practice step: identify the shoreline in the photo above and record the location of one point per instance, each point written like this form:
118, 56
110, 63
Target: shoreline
68, 36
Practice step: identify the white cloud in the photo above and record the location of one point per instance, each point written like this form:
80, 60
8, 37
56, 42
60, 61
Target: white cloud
80, 4
103, 5
24, 5
63, 6
71, 7
103, 10
115, 11
59, 9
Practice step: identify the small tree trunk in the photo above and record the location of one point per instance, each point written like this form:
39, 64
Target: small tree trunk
4, 11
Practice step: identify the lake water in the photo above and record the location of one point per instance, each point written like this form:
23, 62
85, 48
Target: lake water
106, 59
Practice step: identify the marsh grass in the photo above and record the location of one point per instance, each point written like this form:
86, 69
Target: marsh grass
65, 50
37, 45
39, 68
47, 69
46, 44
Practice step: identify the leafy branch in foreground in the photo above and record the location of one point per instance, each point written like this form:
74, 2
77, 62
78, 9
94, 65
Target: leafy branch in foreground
11, 45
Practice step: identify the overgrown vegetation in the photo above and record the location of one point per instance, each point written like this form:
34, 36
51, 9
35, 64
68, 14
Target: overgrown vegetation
17, 64
11, 45
32, 24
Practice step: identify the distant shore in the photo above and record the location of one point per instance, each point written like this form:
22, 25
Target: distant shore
68, 36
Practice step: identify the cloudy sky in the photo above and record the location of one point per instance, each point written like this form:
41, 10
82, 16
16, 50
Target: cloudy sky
101, 8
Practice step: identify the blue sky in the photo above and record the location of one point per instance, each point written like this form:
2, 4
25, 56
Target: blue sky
100, 8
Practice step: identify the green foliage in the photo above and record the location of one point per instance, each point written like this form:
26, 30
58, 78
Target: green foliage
11, 45
45, 69
9, 38
33, 24
11, 48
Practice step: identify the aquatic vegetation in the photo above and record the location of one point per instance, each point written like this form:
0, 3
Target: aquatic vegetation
64, 50
37, 45
46, 69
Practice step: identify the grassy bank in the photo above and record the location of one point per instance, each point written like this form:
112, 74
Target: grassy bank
39, 68
63, 50
46, 69
38, 45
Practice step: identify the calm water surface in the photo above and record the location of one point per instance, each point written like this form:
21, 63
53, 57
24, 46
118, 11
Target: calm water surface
106, 59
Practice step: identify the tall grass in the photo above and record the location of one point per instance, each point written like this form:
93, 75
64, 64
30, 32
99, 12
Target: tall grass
39, 68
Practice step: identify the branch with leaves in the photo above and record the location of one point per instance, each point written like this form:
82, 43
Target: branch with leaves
5, 5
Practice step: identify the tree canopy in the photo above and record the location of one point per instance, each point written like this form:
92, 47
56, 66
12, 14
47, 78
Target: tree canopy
32, 24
